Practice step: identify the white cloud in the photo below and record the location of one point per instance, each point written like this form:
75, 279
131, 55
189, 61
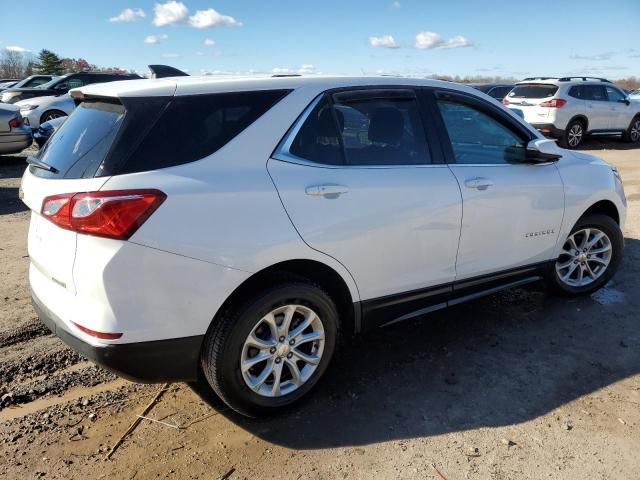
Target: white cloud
211, 18
199, 54
170, 13
429, 40
395, 5
129, 15
600, 56
305, 69
385, 41
15, 48
153, 39
170, 55
209, 42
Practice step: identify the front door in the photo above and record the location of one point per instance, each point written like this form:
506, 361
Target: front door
512, 210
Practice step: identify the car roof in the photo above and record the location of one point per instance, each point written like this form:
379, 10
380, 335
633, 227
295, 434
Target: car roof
558, 81
194, 85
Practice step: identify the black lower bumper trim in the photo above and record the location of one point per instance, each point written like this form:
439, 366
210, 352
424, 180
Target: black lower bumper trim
146, 362
548, 129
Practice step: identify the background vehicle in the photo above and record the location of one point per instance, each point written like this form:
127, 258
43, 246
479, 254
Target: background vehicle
5, 85
495, 90
29, 82
635, 94
63, 84
570, 108
14, 136
38, 110
355, 223
42, 134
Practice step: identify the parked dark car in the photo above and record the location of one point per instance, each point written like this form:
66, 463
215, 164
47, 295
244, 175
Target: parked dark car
47, 129
495, 90
30, 82
63, 84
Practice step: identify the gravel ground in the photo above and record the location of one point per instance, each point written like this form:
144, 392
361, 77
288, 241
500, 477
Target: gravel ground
519, 385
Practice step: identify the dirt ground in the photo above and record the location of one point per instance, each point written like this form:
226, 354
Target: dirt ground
519, 385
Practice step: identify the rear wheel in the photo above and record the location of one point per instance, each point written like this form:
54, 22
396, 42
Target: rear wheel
267, 352
573, 135
633, 132
589, 257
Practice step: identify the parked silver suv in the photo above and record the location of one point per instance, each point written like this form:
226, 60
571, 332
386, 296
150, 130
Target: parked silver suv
571, 108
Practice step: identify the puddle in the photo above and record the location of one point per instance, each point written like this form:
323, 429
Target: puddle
608, 296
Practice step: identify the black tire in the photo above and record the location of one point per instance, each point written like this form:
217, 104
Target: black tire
50, 115
574, 134
632, 134
222, 348
607, 225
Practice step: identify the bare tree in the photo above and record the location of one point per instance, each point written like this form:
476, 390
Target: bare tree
14, 64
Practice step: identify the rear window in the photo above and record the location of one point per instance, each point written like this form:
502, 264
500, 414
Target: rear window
533, 91
102, 138
78, 148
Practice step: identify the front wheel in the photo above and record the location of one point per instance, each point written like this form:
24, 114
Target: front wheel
589, 257
50, 115
633, 132
267, 352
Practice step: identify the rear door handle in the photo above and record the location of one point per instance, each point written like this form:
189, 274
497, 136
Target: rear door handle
326, 190
478, 183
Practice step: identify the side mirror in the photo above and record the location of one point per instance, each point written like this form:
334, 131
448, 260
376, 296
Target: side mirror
625, 101
542, 150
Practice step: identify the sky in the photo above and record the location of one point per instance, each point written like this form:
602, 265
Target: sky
344, 37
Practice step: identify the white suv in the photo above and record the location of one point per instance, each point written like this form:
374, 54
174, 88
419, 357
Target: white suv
237, 229
571, 108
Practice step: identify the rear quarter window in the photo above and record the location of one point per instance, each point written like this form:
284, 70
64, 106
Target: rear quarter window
533, 91
193, 127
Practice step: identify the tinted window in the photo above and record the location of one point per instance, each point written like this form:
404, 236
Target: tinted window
533, 90
34, 82
478, 138
500, 92
318, 139
381, 131
614, 94
594, 93
71, 82
576, 91
193, 127
83, 141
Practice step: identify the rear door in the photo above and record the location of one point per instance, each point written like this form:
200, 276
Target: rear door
622, 113
75, 152
362, 182
512, 210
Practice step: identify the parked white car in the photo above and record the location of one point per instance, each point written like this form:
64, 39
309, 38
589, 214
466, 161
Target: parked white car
236, 229
570, 108
38, 110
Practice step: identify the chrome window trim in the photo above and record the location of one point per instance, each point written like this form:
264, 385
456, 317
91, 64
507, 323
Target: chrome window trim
283, 154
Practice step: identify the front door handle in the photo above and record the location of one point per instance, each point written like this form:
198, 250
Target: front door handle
478, 183
326, 190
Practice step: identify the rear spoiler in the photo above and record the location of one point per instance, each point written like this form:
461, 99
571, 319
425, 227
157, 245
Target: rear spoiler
162, 71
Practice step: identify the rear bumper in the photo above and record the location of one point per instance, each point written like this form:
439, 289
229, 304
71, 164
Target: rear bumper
15, 142
548, 129
146, 362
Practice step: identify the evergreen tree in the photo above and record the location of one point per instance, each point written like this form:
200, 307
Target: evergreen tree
48, 63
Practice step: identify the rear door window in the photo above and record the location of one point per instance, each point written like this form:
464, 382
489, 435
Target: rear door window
533, 90
595, 93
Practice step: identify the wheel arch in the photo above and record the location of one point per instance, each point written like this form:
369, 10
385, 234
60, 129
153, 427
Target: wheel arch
604, 207
325, 276
51, 110
581, 118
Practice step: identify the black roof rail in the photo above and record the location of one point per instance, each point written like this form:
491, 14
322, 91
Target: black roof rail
283, 75
584, 79
539, 78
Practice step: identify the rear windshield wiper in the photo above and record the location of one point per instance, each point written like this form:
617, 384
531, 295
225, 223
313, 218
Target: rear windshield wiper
40, 164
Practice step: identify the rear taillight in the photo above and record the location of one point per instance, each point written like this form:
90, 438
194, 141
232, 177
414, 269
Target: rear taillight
15, 122
112, 214
554, 103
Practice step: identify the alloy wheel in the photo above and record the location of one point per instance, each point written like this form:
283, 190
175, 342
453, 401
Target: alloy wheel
574, 136
282, 351
584, 258
635, 131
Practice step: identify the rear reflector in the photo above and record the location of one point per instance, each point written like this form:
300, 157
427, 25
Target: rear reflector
554, 103
101, 335
111, 214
